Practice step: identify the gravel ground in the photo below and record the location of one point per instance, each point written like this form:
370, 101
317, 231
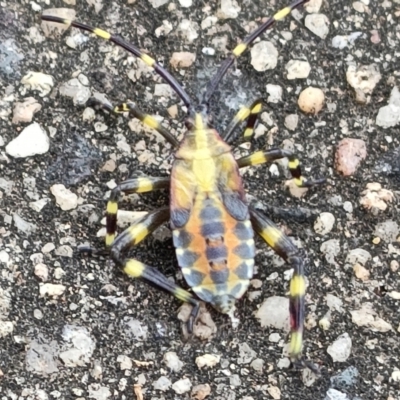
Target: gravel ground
73, 327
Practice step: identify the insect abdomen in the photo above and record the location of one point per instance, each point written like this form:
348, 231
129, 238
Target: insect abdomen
216, 252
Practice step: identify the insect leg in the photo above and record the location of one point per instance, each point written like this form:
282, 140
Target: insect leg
177, 87
250, 113
284, 247
261, 157
131, 108
134, 185
131, 237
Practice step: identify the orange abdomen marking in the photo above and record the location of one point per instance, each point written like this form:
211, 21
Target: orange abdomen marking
215, 251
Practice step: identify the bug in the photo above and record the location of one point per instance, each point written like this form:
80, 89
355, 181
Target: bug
212, 225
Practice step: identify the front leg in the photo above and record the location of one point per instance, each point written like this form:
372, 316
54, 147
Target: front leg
284, 247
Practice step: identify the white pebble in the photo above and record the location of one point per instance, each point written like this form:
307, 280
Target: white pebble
324, 223
51, 289
208, 51
340, 349
38, 81
42, 272
389, 115
158, 3
185, 3
189, 30
274, 312
363, 79
4, 257
182, 386
6, 327
348, 207
291, 121
275, 93
229, 9
163, 384
207, 360
297, 69
73, 88
172, 361
31, 141
264, 56
333, 394
64, 197
124, 362
38, 204
340, 42
318, 24
64, 251
24, 226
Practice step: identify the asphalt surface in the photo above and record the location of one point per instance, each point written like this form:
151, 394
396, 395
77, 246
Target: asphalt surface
120, 317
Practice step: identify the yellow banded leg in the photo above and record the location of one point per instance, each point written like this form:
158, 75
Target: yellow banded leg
135, 185
131, 237
261, 157
284, 247
131, 108
137, 269
249, 113
131, 48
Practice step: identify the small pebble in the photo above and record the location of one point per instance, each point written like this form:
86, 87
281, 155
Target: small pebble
274, 312
207, 360
200, 392
311, 100
64, 251
51, 290
387, 230
363, 80
274, 93
42, 272
333, 394
74, 89
264, 56
375, 198
172, 361
182, 59
389, 115
297, 69
31, 141
24, 111
182, 386
340, 349
228, 9
367, 316
64, 197
274, 392
124, 362
257, 365
349, 154
6, 328
318, 24
348, 207
291, 121
358, 255
43, 83
361, 272
324, 223
48, 247
158, 3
